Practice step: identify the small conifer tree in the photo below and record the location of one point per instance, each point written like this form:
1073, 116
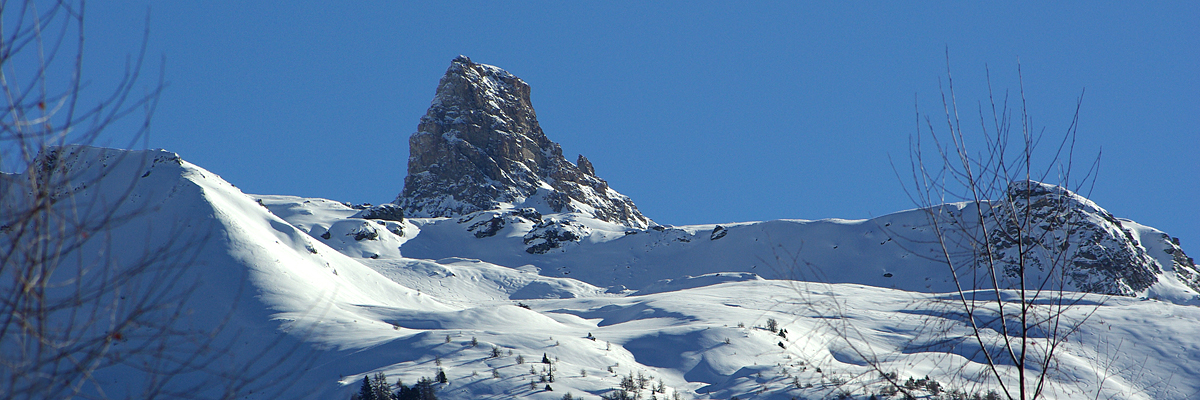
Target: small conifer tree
425, 389
380, 387
367, 392
441, 376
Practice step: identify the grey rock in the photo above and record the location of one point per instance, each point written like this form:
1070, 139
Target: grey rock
386, 212
529, 214
487, 228
479, 146
718, 232
485, 224
585, 166
1047, 231
1184, 266
365, 232
549, 235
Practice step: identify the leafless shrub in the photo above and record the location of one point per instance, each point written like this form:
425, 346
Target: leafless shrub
1008, 241
92, 304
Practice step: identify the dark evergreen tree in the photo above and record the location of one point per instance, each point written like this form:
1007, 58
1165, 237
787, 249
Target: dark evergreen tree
618, 394
426, 389
367, 392
441, 376
628, 383
406, 393
545, 359
423, 390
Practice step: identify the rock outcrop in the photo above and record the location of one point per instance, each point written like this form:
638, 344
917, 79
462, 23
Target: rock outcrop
1185, 267
386, 212
479, 147
1066, 236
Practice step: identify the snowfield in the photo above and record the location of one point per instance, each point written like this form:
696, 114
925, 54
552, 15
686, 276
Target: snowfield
314, 299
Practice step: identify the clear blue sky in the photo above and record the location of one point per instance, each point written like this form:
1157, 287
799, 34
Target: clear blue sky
704, 112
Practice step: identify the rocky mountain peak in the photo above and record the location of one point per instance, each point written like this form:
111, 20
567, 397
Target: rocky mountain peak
479, 147
1073, 238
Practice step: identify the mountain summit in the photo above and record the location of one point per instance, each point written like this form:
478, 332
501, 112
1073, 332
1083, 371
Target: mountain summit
479, 147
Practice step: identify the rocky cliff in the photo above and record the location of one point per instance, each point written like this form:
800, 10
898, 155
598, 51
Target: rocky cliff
479, 147
1054, 233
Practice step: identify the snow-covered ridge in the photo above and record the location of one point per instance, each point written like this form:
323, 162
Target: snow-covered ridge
894, 251
245, 289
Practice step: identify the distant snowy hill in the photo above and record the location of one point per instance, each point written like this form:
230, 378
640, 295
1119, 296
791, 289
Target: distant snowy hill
314, 294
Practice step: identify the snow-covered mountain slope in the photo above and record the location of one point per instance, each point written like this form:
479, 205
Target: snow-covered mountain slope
194, 279
338, 226
1180, 275
894, 251
312, 315
710, 342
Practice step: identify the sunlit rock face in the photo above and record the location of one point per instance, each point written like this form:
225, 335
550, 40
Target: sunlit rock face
479, 147
1064, 236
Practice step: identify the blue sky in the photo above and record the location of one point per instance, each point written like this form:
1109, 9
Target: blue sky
705, 112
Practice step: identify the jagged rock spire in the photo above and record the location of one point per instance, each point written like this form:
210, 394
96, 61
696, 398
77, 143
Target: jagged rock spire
479, 147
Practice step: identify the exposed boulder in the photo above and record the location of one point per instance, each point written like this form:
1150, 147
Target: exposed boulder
718, 232
487, 228
485, 224
386, 212
550, 234
366, 231
529, 214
